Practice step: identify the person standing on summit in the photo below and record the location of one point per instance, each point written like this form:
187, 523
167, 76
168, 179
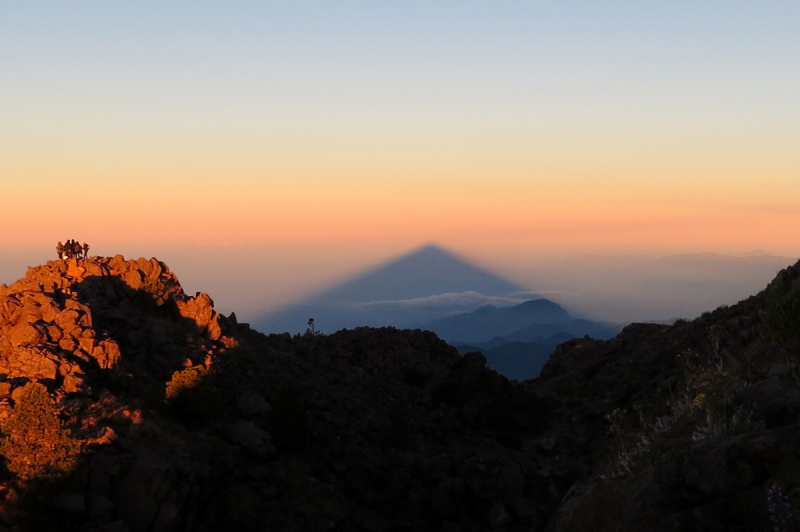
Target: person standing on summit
60, 249
85, 250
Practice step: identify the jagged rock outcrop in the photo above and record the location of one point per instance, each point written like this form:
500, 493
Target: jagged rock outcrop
49, 329
100, 334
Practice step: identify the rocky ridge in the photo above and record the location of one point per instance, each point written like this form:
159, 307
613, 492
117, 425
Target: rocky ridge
184, 419
70, 318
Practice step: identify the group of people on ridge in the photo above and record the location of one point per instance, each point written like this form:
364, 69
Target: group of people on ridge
71, 249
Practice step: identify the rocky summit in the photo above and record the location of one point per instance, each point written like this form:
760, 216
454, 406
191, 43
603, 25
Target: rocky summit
127, 405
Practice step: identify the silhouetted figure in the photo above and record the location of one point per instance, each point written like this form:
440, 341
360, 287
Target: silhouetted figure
73, 249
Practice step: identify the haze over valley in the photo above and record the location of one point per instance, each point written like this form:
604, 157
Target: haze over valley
258, 282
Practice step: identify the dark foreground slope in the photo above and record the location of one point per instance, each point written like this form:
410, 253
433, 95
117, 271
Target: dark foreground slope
127, 405
684, 427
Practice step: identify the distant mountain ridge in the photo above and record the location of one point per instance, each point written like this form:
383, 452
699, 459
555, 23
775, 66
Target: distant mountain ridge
531, 321
517, 341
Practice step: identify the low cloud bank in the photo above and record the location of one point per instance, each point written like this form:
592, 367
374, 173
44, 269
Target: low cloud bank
449, 300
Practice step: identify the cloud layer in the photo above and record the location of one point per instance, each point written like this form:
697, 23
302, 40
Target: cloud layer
461, 299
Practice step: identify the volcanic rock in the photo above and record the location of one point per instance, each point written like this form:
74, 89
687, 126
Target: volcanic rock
190, 421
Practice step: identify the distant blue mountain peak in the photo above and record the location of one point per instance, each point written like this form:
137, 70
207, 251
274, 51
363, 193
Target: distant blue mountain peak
537, 305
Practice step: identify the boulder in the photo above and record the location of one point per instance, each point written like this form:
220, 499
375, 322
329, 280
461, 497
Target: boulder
49, 311
67, 320
108, 354
31, 314
93, 269
548, 444
201, 309
26, 334
68, 344
76, 272
54, 333
35, 364
251, 404
251, 437
134, 279
499, 516
98, 506
71, 504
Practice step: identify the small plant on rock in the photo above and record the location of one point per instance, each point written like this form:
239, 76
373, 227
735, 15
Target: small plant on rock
780, 510
192, 395
36, 444
312, 330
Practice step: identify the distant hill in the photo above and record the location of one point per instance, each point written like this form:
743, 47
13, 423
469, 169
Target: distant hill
531, 321
426, 284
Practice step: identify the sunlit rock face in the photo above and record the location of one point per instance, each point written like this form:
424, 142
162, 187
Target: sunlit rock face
101, 336
68, 320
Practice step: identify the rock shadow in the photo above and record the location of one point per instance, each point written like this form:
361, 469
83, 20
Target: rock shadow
142, 331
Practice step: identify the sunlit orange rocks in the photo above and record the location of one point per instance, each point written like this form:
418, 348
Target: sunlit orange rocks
201, 309
48, 321
26, 334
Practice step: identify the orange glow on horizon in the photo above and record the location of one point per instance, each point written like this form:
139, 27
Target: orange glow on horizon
623, 198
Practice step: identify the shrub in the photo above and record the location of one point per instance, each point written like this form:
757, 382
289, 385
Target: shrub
780, 510
36, 444
192, 395
713, 402
187, 379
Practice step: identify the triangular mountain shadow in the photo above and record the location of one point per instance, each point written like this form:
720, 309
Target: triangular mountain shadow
430, 270
425, 284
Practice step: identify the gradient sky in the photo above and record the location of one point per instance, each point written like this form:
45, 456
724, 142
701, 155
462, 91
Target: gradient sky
483, 126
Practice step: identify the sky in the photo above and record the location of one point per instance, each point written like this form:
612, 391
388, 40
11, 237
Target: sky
346, 132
